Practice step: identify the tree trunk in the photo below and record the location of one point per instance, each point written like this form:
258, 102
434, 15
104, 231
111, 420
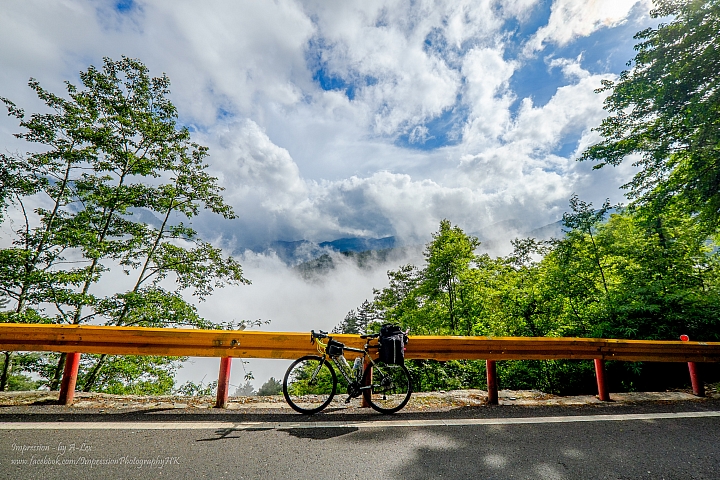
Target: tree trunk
5, 371
55, 383
92, 376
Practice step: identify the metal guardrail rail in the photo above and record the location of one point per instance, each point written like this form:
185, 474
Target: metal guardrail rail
291, 345
228, 344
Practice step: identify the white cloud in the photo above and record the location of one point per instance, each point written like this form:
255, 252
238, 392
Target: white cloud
301, 162
503, 170
487, 75
572, 109
571, 68
219, 54
251, 162
410, 50
238, 50
570, 19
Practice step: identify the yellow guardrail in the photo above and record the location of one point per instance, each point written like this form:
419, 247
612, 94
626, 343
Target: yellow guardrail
291, 345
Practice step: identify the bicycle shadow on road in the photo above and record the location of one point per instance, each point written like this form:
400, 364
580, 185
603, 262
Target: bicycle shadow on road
309, 433
319, 433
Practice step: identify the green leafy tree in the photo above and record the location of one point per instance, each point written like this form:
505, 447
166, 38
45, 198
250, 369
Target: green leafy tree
437, 298
515, 293
18, 381
113, 150
445, 296
399, 302
192, 389
357, 321
666, 270
582, 223
447, 259
665, 112
271, 387
245, 390
136, 375
33, 270
580, 267
631, 274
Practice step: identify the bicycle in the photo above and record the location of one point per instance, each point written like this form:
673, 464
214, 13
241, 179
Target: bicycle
310, 383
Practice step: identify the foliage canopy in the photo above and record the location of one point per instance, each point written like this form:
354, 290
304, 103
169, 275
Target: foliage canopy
665, 112
112, 186
620, 275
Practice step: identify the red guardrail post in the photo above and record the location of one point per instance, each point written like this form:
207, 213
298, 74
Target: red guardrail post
492, 382
600, 376
69, 379
223, 382
697, 385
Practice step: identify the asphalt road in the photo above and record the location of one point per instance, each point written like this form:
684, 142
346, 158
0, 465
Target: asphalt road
653, 441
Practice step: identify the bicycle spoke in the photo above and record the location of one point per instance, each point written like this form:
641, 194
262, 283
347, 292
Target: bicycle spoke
309, 384
391, 387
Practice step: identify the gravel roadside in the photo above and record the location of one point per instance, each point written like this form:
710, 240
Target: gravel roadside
419, 401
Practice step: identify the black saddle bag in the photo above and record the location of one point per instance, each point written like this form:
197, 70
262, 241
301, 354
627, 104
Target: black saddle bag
392, 344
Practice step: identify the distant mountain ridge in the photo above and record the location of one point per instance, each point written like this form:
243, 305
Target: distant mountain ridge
296, 252
358, 245
299, 251
313, 261
302, 251
316, 268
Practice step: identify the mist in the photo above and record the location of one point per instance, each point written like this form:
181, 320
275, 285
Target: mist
290, 302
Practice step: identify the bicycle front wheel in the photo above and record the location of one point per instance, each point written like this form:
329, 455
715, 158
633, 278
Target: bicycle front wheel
390, 386
309, 384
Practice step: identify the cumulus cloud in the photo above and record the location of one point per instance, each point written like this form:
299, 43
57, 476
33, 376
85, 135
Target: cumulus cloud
487, 76
238, 51
404, 56
251, 162
573, 108
227, 54
319, 114
570, 19
504, 170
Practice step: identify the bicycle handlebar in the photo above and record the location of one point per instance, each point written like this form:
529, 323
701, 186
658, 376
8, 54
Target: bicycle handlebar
318, 334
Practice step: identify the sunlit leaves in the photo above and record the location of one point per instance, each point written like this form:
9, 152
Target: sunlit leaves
665, 112
634, 274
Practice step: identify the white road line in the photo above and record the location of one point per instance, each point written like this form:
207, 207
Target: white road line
332, 424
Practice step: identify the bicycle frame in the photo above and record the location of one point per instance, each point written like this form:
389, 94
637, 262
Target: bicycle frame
344, 367
342, 364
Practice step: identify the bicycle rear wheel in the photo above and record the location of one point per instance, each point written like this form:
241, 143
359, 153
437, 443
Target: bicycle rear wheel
309, 384
390, 389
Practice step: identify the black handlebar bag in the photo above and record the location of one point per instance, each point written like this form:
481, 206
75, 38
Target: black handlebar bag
392, 344
334, 348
